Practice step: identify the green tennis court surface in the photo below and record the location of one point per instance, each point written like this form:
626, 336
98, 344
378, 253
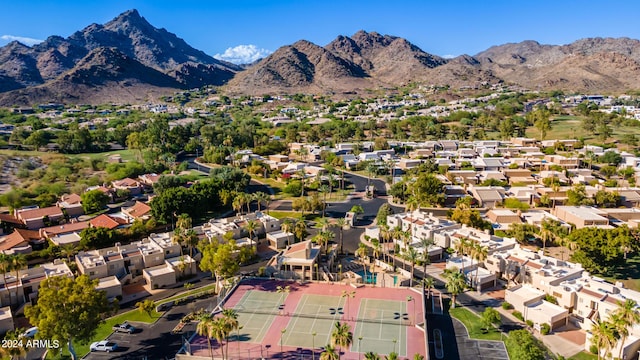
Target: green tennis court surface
256, 311
314, 313
384, 330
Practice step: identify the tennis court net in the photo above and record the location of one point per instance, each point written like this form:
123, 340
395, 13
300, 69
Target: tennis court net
399, 319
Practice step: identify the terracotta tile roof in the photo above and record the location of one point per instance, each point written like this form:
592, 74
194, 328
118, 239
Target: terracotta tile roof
8, 218
296, 247
104, 221
126, 182
65, 228
18, 237
138, 210
71, 199
40, 213
513, 258
534, 265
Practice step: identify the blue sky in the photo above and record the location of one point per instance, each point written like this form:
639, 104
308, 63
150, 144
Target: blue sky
439, 27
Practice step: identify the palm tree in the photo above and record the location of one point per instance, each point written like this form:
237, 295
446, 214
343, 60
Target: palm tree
237, 204
340, 224
418, 357
262, 197
287, 226
230, 320
205, 328
412, 255
324, 190
428, 284
300, 229
17, 262
371, 356
362, 253
425, 243
604, 336
322, 238
68, 251
219, 331
456, 284
546, 232
341, 336
329, 353
480, 254
392, 356
322, 223
252, 226
627, 316
5, 267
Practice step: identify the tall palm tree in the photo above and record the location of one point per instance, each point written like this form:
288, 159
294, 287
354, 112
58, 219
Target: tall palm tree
627, 316
252, 226
362, 253
262, 197
329, 353
230, 320
324, 190
456, 284
300, 229
428, 284
5, 267
219, 332
412, 255
546, 232
425, 243
237, 204
604, 336
461, 247
287, 226
323, 224
480, 253
17, 262
341, 336
205, 328
340, 224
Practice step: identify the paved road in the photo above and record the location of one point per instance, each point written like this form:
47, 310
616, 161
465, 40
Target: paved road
156, 341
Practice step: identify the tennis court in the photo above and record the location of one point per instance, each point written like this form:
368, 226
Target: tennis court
314, 313
384, 330
256, 311
278, 320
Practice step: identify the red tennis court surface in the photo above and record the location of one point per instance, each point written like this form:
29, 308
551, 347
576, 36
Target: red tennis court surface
287, 320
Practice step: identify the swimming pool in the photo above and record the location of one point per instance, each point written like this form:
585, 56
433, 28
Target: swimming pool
369, 278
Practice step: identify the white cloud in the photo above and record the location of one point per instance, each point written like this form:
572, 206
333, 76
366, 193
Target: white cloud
243, 54
449, 56
22, 39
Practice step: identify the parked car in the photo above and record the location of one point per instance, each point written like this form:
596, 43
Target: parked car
30, 332
104, 345
124, 327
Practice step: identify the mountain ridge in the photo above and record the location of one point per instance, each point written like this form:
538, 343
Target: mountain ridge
128, 54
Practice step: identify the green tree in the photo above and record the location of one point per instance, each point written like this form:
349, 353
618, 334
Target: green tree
205, 327
96, 237
428, 190
456, 283
357, 210
68, 310
94, 201
146, 306
490, 317
220, 259
523, 346
604, 337
341, 336
340, 224
329, 353
625, 317
18, 346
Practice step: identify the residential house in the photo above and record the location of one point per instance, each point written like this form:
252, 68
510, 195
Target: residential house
20, 241
24, 288
133, 186
139, 210
6, 320
582, 216
529, 302
488, 196
35, 218
298, 260
503, 217
106, 221
72, 204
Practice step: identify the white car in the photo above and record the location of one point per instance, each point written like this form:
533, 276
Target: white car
104, 345
30, 332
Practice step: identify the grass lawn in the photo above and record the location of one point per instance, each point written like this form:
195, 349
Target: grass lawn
583, 356
187, 293
127, 155
104, 330
474, 325
628, 274
294, 215
570, 127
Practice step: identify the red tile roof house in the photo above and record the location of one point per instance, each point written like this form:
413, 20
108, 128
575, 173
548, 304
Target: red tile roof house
139, 210
34, 218
149, 179
134, 187
19, 241
72, 204
52, 231
107, 221
8, 222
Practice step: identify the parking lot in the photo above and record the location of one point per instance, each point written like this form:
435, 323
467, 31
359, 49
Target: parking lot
154, 341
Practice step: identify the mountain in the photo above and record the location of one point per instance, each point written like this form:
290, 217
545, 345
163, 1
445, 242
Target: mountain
58, 61
128, 59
